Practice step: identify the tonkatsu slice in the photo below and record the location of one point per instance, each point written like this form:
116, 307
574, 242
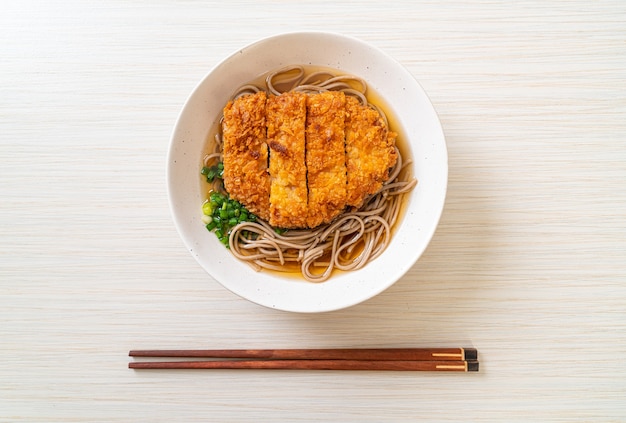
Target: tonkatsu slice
370, 151
325, 156
286, 118
245, 152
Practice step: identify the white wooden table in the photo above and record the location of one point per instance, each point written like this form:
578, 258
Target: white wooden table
528, 264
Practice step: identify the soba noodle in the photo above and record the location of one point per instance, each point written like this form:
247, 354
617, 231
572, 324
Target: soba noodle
354, 238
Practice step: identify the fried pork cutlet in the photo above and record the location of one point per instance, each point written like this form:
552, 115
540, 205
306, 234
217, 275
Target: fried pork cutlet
325, 156
370, 151
325, 152
245, 151
286, 117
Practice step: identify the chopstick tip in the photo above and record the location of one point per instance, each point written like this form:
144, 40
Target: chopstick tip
472, 366
470, 353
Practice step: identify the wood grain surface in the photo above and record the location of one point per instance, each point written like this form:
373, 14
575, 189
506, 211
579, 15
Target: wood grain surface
528, 264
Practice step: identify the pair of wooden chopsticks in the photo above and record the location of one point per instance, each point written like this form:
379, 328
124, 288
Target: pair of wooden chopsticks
414, 359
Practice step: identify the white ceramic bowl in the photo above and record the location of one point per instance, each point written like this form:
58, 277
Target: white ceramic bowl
413, 112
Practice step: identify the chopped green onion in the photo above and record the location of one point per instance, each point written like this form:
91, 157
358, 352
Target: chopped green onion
207, 208
221, 214
212, 172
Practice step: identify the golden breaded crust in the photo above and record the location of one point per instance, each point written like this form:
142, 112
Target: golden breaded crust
298, 160
325, 156
286, 117
370, 151
246, 176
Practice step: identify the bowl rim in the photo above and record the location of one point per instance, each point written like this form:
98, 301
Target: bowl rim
396, 272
